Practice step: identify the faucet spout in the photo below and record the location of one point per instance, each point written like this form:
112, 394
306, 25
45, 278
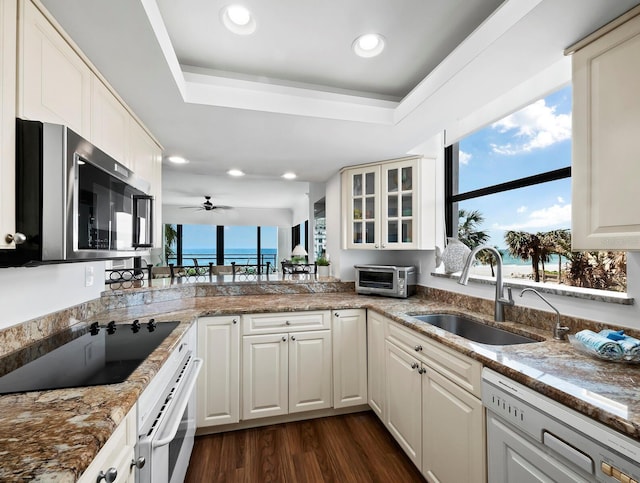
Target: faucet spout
500, 301
559, 331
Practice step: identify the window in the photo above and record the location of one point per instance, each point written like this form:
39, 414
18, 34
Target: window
509, 186
221, 245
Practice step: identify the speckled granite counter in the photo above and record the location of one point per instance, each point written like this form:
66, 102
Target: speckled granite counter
54, 435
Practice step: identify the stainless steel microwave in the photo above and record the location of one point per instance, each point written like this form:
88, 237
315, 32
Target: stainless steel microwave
387, 280
74, 202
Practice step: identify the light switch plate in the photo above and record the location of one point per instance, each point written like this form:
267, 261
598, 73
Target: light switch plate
88, 276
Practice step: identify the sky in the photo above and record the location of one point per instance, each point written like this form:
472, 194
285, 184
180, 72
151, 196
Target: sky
530, 141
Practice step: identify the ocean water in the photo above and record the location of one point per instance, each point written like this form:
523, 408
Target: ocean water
509, 260
241, 256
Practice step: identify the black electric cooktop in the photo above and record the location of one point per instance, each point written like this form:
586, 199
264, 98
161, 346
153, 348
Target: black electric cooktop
88, 356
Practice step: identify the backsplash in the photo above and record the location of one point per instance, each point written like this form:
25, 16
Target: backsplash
18, 336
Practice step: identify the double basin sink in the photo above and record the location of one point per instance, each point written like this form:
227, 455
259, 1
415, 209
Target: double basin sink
475, 331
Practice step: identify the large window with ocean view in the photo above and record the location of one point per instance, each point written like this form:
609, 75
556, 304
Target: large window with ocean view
221, 245
509, 186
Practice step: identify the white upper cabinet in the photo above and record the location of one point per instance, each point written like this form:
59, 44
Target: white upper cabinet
54, 83
8, 15
109, 123
606, 145
389, 205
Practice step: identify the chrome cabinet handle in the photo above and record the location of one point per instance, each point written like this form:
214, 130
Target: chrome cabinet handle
422, 370
287, 323
376, 245
17, 238
110, 476
414, 365
336, 314
284, 339
139, 463
417, 348
293, 337
235, 321
384, 245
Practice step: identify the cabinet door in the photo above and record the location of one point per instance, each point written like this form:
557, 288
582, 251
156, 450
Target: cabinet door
606, 122
54, 83
219, 380
349, 335
362, 207
453, 439
145, 160
399, 201
309, 371
403, 401
376, 365
8, 9
265, 375
118, 452
109, 123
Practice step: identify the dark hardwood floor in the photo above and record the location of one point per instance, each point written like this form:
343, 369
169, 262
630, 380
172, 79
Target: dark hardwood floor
342, 449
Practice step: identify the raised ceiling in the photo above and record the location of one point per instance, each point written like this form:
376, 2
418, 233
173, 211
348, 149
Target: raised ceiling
294, 97
310, 42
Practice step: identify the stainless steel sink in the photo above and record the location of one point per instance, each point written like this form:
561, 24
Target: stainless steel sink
475, 331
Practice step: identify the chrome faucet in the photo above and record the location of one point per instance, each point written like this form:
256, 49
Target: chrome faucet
559, 331
500, 300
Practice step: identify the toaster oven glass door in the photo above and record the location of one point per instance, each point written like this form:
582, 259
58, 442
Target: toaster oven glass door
377, 279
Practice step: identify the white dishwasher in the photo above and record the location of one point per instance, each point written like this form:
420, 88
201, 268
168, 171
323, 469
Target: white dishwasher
531, 438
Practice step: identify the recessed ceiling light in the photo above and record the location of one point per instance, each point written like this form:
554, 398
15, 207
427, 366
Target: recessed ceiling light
177, 160
238, 19
368, 45
289, 175
235, 172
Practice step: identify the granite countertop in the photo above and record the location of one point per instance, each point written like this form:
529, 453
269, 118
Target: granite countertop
57, 433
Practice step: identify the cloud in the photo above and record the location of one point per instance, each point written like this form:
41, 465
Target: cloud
522, 209
536, 126
551, 217
560, 199
463, 158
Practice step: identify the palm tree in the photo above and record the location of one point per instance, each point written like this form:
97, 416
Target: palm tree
559, 242
470, 234
170, 236
468, 228
528, 247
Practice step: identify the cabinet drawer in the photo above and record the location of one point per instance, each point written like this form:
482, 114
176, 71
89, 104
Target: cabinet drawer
460, 369
269, 323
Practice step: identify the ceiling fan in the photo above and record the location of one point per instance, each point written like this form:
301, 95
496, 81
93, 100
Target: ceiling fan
207, 205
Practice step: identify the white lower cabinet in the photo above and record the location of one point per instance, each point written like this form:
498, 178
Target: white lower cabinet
349, 341
433, 408
218, 390
116, 455
286, 373
376, 363
452, 431
404, 409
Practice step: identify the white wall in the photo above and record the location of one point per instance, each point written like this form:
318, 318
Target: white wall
26, 293
231, 217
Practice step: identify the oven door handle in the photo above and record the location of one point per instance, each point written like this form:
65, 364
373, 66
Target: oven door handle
186, 396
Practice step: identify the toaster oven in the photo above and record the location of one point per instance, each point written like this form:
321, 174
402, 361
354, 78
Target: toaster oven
387, 280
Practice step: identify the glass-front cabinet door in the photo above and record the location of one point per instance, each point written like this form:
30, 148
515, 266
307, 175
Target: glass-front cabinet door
390, 205
399, 200
364, 207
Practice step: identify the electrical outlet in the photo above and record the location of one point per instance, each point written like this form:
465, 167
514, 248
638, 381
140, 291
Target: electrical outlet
88, 276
